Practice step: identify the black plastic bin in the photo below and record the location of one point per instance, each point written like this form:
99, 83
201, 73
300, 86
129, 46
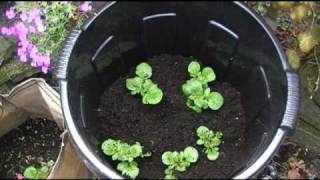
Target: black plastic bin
228, 36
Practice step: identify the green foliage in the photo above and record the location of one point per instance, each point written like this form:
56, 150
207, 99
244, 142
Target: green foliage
38, 173
261, 7
178, 161
144, 71
197, 91
204, 77
126, 154
141, 84
210, 141
129, 168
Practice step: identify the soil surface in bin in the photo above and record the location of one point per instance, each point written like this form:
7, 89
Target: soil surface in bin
171, 125
33, 142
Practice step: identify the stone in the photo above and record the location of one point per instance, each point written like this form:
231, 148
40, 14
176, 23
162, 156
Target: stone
310, 111
316, 98
7, 49
307, 136
14, 69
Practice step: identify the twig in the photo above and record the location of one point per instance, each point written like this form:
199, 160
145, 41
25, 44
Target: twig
318, 74
314, 16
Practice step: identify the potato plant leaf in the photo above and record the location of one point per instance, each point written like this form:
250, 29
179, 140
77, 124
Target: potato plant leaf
210, 141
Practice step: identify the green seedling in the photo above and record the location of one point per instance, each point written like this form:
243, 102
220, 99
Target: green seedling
126, 154
38, 173
178, 161
199, 95
210, 141
143, 85
204, 77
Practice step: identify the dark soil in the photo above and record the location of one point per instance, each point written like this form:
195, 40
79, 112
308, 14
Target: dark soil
31, 143
171, 125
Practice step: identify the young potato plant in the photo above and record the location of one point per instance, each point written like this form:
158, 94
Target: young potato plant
143, 85
199, 95
126, 154
178, 161
210, 141
38, 173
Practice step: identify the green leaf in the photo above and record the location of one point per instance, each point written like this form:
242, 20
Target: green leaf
109, 147
293, 59
144, 70
167, 158
202, 130
135, 150
148, 154
129, 168
306, 42
50, 163
194, 107
181, 167
315, 32
207, 92
213, 155
200, 142
146, 86
169, 170
153, 95
192, 86
200, 101
193, 68
208, 74
219, 134
215, 100
191, 154
134, 85
170, 176
215, 142
30, 173
43, 173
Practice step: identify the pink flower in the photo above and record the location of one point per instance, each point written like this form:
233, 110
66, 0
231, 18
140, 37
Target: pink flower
32, 29
24, 44
4, 30
35, 13
7, 31
39, 60
33, 64
10, 14
19, 176
44, 69
23, 16
86, 6
30, 47
46, 60
20, 28
37, 20
23, 58
12, 30
34, 53
41, 28
21, 52
39, 24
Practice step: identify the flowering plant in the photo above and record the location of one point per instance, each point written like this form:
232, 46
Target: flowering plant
40, 28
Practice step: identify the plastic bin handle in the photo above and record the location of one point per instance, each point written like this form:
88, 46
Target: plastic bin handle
64, 55
291, 113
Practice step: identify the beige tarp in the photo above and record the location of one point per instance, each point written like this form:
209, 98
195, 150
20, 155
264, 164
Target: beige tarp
36, 99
